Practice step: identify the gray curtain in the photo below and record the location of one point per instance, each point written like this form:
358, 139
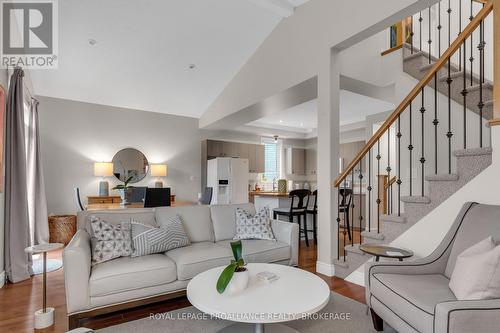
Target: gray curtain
37, 202
17, 231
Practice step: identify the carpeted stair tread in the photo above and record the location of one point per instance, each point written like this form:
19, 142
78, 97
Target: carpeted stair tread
473, 152
445, 177
415, 54
354, 249
341, 263
393, 218
373, 235
417, 199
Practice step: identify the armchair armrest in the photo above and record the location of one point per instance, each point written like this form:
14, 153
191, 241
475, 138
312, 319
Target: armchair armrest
288, 233
467, 316
77, 268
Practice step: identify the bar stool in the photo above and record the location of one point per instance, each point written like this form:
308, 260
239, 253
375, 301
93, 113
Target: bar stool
345, 204
314, 213
298, 210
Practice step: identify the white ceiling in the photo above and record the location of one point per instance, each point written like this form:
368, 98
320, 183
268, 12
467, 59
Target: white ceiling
303, 118
144, 49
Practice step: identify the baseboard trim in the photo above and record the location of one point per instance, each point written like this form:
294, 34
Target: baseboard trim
356, 277
325, 269
2, 279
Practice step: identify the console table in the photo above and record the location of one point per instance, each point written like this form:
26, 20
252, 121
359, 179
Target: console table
112, 199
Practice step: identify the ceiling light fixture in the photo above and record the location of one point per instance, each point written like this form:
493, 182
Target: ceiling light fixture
192, 66
275, 139
92, 42
281, 121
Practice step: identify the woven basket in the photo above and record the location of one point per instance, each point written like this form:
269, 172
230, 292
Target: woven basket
62, 228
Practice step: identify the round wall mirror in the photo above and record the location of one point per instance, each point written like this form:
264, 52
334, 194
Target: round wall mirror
130, 162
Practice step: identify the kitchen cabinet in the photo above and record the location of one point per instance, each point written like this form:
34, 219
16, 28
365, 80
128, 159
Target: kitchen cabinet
311, 162
296, 161
253, 152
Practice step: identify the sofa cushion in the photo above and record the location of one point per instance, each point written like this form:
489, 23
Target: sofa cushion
110, 241
195, 219
413, 298
199, 257
256, 226
261, 251
224, 219
125, 274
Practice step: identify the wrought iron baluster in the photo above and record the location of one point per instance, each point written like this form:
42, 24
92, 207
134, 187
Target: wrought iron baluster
480, 105
420, 19
378, 186
435, 122
439, 27
399, 182
429, 41
422, 158
411, 35
449, 134
459, 31
352, 205
360, 198
369, 188
388, 169
471, 59
464, 93
338, 223
346, 211
410, 149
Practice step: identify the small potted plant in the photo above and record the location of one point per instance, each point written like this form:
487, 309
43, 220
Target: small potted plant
234, 278
123, 189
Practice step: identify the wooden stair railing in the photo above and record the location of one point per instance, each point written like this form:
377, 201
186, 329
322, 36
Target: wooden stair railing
392, 127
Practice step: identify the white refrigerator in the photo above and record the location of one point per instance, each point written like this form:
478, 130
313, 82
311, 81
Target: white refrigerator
229, 179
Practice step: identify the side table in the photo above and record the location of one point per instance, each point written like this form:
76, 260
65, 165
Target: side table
45, 316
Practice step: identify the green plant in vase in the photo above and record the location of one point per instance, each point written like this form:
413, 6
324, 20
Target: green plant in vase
122, 189
234, 277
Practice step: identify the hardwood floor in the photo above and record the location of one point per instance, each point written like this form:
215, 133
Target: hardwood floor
19, 301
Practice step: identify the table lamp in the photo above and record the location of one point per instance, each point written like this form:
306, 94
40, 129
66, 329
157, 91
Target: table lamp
158, 170
103, 169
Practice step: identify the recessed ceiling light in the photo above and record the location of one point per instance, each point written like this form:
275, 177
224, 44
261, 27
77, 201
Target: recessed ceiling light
281, 121
301, 124
192, 66
92, 42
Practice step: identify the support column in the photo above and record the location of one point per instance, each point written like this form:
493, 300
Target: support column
328, 160
496, 64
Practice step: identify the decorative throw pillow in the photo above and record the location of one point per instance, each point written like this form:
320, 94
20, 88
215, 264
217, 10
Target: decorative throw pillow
109, 241
149, 240
253, 227
476, 275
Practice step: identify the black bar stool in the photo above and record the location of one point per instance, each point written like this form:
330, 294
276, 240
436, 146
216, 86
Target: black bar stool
345, 204
298, 210
314, 212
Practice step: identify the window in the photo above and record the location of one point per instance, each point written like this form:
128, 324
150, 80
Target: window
272, 162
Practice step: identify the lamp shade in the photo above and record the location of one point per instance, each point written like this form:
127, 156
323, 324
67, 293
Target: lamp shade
159, 170
103, 169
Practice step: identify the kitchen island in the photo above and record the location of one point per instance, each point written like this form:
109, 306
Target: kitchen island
270, 199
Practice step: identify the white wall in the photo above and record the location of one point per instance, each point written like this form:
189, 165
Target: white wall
74, 135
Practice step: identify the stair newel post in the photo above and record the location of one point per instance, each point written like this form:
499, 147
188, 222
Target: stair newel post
480, 105
369, 188
352, 206
420, 19
378, 186
429, 41
435, 122
360, 198
464, 92
471, 58
338, 223
410, 149
399, 182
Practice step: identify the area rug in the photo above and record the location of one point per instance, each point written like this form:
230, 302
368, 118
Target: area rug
52, 265
345, 316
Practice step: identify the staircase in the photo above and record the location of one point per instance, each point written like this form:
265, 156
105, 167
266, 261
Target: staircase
418, 133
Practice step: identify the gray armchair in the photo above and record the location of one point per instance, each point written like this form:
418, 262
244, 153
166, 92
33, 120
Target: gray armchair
414, 296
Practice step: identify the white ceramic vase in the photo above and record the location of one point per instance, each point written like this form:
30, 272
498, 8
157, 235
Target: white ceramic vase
238, 282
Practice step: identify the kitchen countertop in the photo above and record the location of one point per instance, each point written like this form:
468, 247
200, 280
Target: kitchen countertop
269, 194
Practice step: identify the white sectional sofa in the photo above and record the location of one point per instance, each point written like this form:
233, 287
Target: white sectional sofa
129, 282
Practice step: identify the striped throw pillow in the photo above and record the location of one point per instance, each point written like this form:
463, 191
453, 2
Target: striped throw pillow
149, 240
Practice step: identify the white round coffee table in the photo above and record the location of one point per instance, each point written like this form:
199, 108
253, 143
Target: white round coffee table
296, 294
